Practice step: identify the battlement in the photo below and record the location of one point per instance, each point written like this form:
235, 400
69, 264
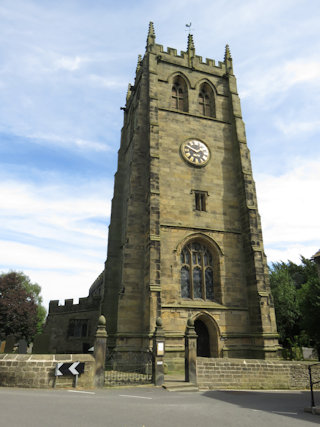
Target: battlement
197, 59
85, 304
184, 59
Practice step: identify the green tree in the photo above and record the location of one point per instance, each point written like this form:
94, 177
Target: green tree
296, 293
21, 312
309, 296
286, 304
34, 289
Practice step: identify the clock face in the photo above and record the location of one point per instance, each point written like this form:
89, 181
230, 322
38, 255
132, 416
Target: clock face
195, 152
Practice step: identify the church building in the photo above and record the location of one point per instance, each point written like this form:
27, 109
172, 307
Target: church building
185, 237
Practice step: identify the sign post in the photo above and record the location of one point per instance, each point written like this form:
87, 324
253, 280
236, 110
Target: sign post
75, 369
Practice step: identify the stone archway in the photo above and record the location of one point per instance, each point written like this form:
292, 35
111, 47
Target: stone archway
203, 340
208, 341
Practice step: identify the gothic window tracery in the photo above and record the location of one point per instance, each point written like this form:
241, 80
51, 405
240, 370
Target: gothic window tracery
206, 103
197, 272
179, 96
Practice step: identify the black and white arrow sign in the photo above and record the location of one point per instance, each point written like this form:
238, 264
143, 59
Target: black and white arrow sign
75, 368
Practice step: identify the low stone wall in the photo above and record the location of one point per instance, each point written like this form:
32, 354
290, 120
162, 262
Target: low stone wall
38, 370
254, 374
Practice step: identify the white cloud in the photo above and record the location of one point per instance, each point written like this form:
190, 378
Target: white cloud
294, 128
291, 252
60, 274
55, 231
54, 211
289, 208
70, 63
111, 83
65, 141
271, 81
302, 70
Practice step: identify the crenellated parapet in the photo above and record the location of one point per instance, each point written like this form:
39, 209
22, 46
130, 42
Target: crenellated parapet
156, 54
171, 55
85, 304
187, 58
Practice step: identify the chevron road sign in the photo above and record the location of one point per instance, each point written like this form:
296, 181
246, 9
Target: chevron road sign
75, 368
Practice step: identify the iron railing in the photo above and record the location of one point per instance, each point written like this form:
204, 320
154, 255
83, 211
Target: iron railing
312, 383
131, 368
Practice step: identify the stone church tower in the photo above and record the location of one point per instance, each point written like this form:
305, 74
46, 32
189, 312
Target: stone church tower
185, 236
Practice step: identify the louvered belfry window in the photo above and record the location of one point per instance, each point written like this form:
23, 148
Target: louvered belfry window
206, 101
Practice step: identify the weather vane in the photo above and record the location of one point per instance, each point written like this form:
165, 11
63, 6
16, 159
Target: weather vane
189, 27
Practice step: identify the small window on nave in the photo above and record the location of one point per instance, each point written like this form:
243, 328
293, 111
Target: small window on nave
78, 328
197, 272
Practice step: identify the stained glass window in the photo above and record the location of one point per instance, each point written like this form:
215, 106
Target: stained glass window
196, 272
185, 282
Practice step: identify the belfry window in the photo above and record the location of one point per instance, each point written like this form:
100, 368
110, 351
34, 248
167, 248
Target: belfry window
179, 98
196, 272
206, 101
200, 200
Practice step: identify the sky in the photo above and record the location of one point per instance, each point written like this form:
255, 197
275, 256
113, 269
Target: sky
65, 66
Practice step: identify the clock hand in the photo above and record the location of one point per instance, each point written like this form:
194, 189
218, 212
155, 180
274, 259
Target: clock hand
193, 149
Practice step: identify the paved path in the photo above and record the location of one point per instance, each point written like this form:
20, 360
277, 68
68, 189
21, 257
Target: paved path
154, 407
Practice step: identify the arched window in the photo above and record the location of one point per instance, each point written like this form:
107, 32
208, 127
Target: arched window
179, 95
206, 102
196, 272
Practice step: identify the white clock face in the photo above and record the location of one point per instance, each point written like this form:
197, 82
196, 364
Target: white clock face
195, 152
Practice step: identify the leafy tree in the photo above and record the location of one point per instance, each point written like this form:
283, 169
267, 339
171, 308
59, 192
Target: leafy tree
34, 289
285, 301
309, 295
21, 312
296, 293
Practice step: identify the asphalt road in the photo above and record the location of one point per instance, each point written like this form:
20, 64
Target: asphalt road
154, 407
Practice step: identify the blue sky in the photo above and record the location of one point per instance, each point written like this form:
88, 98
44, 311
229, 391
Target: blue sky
64, 71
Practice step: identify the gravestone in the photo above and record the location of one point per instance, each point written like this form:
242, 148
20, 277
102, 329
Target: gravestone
41, 344
22, 346
309, 353
10, 342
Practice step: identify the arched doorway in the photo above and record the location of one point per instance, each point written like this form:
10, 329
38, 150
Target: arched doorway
203, 340
208, 341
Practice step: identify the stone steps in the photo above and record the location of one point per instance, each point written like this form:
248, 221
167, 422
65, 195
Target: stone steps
180, 386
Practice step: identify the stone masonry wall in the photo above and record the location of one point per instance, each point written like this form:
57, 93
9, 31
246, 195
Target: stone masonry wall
253, 374
38, 370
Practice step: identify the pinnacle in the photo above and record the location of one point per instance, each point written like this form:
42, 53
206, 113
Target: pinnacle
151, 35
151, 29
139, 62
227, 54
190, 42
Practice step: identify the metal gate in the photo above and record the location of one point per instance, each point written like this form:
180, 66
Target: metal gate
128, 368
